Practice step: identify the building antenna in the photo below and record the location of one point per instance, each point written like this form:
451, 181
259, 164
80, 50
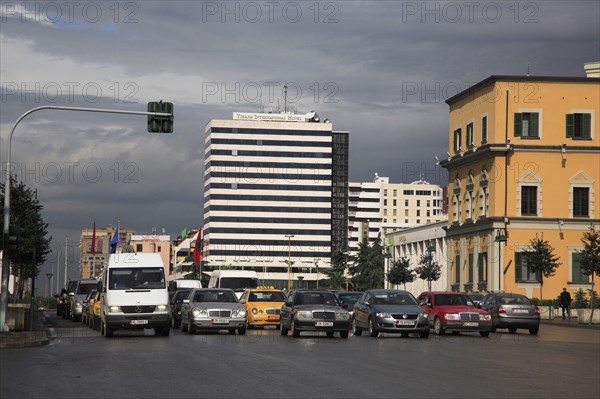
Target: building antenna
527, 69
285, 99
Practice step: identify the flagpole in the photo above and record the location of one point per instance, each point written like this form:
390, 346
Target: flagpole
94, 250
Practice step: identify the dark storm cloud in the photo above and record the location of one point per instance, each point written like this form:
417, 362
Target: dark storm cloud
380, 69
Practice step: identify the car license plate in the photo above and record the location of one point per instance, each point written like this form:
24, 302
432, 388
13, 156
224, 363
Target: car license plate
220, 321
520, 311
324, 323
272, 317
471, 324
138, 322
405, 322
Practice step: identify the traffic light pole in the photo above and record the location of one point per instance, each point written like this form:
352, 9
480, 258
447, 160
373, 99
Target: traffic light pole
5, 230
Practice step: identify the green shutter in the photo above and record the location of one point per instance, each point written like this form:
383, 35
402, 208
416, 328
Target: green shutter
533, 124
570, 124
484, 129
455, 140
518, 124
518, 266
586, 125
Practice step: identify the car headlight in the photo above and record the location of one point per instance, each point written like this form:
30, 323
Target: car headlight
239, 313
254, 311
452, 316
341, 315
114, 309
304, 314
197, 312
161, 308
485, 317
383, 315
424, 315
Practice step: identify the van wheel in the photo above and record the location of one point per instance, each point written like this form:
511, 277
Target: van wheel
437, 327
106, 330
162, 331
241, 331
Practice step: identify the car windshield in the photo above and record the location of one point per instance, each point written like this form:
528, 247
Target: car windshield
316, 298
180, 295
394, 298
348, 299
514, 300
215, 296
136, 278
453, 300
239, 283
266, 296
85, 289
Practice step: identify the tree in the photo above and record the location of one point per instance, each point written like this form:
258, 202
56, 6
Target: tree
368, 267
34, 246
540, 259
590, 258
428, 269
336, 273
400, 273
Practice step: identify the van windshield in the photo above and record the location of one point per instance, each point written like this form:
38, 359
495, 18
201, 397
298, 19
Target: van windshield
136, 278
238, 283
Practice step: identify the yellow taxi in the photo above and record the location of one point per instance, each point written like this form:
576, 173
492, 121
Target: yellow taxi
263, 305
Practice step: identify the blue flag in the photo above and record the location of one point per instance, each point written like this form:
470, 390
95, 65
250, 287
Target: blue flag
114, 241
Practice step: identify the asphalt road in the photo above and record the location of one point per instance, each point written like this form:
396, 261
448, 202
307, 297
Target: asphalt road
558, 363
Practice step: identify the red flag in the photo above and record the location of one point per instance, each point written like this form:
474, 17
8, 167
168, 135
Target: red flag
198, 248
94, 239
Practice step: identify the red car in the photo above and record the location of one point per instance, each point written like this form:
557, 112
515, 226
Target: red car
453, 311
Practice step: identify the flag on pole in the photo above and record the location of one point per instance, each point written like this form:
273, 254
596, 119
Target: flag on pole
115, 240
93, 249
198, 248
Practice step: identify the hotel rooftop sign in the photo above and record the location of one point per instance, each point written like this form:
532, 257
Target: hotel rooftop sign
285, 117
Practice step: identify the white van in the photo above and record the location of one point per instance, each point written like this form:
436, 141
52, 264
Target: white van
134, 294
237, 280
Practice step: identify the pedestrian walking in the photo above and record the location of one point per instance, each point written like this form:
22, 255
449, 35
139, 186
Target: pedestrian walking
565, 303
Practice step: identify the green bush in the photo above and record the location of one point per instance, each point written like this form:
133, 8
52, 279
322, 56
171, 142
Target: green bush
580, 301
546, 302
46, 302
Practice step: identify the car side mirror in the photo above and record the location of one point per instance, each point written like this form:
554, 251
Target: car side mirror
367, 303
242, 301
186, 301
423, 304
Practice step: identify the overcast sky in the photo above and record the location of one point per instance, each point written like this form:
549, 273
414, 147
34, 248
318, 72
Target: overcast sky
379, 69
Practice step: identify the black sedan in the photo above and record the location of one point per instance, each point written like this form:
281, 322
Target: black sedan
389, 311
308, 310
348, 299
175, 305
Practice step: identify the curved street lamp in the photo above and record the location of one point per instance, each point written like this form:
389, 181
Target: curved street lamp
500, 238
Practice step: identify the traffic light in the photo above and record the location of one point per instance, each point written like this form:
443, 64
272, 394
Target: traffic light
160, 124
14, 238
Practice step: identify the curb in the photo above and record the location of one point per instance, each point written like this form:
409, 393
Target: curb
571, 324
26, 339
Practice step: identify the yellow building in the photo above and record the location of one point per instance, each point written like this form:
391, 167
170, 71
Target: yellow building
153, 243
92, 266
523, 161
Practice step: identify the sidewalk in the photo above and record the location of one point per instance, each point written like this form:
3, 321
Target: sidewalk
572, 322
26, 339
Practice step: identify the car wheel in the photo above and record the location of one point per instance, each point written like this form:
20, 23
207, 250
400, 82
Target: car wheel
534, 331
344, 334
231, 331
329, 334
190, 328
182, 326
424, 334
512, 330
355, 329
372, 330
484, 333
282, 329
437, 327
295, 331
241, 331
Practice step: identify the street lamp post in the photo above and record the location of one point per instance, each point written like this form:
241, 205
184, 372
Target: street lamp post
387, 256
430, 252
49, 292
289, 262
500, 238
317, 267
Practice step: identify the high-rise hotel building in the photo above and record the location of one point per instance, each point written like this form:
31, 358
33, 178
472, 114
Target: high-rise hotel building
275, 192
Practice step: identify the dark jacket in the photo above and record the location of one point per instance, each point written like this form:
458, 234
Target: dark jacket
565, 298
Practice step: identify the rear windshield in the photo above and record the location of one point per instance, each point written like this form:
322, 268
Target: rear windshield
348, 299
514, 300
136, 278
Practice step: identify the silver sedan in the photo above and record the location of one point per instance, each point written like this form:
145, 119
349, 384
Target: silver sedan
213, 309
